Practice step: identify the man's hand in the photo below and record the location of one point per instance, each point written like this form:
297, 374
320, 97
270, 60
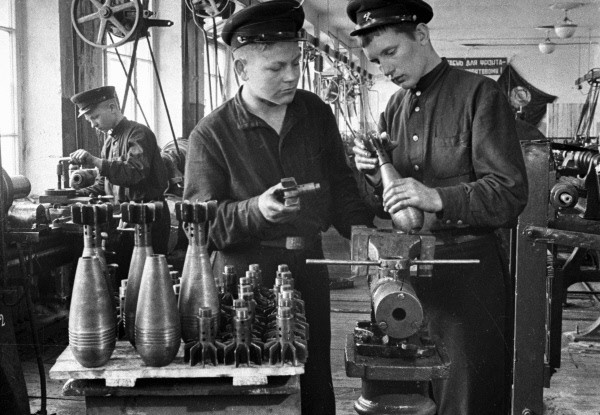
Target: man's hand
366, 162
84, 158
273, 210
407, 192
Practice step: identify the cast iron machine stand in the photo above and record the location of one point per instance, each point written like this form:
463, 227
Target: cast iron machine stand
393, 353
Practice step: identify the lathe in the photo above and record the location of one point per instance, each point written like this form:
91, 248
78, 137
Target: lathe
393, 353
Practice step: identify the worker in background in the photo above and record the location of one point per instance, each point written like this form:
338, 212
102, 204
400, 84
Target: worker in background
131, 168
238, 155
458, 151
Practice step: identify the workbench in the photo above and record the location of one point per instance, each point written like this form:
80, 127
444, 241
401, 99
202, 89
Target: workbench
126, 385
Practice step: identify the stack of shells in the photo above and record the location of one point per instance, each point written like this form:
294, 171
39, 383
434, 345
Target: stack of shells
257, 316
92, 318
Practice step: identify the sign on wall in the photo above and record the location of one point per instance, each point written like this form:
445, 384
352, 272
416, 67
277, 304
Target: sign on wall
482, 66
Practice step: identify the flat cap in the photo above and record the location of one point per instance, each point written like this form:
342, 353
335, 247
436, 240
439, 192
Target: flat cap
87, 100
273, 21
368, 14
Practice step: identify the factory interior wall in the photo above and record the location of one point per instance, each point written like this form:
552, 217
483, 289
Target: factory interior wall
41, 87
554, 74
40, 91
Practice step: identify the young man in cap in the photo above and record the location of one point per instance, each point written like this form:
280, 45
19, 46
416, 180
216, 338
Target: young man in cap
238, 155
457, 149
131, 168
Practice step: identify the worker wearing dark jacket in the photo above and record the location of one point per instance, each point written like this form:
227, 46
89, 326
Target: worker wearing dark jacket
456, 147
130, 167
238, 155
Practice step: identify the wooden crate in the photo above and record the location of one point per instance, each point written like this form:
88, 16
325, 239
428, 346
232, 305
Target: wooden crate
126, 366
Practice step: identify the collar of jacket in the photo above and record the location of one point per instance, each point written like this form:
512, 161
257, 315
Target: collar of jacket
432, 76
118, 128
296, 110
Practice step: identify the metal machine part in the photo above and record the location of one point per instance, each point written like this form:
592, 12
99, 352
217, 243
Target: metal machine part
292, 191
206, 349
24, 215
96, 21
285, 347
82, 178
244, 348
386, 351
14, 187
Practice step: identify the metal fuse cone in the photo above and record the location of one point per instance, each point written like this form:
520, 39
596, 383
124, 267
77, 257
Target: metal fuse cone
142, 214
198, 286
92, 321
157, 326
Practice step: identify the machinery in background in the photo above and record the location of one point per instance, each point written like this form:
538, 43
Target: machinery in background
96, 22
393, 353
556, 244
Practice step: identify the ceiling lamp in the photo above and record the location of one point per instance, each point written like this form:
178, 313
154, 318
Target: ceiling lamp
547, 46
566, 28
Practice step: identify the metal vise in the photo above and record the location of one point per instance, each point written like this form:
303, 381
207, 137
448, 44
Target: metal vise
386, 351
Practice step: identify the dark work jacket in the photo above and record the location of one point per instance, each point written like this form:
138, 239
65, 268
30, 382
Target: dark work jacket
132, 168
455, 132
234, 156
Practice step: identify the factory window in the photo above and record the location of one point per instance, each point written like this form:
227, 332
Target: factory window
217, 79
9, 136
142, 80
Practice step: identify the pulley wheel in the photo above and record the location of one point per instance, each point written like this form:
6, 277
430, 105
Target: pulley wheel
92, 19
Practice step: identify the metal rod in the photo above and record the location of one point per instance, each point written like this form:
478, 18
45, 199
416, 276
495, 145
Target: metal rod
411, 262
594, 293
130, 73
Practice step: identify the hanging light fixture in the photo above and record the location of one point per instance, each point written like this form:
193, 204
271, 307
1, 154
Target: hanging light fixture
547, 46
566, 28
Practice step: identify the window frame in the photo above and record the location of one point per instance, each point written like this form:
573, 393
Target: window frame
14, 158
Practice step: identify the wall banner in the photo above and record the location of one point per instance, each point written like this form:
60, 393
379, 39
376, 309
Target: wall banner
482, 66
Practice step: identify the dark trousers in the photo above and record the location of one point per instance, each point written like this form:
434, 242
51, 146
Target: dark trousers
468, 307
313, 282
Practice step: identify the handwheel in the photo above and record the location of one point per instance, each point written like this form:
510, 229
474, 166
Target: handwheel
119, 17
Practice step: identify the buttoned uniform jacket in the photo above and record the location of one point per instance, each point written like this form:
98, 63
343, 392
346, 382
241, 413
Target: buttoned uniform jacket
234, 156
132, 169
455, 132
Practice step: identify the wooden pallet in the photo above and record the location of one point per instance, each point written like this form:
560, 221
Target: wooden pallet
126, 366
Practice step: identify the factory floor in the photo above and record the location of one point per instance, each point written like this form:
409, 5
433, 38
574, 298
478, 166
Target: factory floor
574, 389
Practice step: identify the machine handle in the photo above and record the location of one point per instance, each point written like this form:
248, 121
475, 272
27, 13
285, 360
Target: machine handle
409, 261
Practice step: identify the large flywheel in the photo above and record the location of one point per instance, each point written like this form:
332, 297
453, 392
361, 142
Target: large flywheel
94, 20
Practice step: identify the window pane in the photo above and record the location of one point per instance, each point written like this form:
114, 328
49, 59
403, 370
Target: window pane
115, 75
9, 154
6, 13
7, 97
145, 93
